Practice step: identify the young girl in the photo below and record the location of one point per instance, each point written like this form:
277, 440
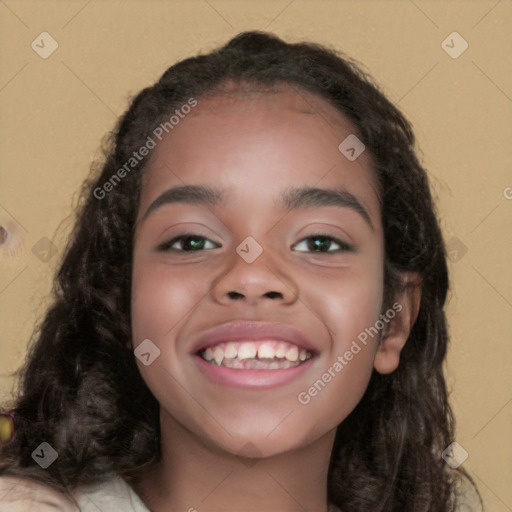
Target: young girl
249, 316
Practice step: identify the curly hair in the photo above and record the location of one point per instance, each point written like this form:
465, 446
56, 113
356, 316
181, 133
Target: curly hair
80, 389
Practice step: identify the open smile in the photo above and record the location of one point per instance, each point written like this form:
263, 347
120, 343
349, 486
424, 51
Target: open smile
256, 355
252, 354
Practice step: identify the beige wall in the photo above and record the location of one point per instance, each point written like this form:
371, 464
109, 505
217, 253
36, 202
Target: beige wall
56, 110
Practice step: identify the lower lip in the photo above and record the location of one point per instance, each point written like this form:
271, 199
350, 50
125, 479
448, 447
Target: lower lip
252, 379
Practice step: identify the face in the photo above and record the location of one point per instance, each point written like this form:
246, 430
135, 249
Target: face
310, 270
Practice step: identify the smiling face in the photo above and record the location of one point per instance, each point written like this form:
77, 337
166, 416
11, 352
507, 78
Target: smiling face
319, 273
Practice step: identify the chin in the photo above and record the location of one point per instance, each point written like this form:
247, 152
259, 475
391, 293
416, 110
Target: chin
253, 442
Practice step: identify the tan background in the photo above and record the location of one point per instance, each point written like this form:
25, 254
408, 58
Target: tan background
56, 110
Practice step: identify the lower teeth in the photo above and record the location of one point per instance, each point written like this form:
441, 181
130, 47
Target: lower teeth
257, 364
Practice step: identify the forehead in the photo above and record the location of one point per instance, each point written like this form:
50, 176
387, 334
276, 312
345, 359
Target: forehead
271, 106
259, 142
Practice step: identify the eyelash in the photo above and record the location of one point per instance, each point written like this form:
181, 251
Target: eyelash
344, 247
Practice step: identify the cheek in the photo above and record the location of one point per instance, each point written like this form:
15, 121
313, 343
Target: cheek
162, 296
349, 300
349, 305
336, 391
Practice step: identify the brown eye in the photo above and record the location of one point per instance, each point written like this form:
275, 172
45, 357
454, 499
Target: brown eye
189, 243
320, 243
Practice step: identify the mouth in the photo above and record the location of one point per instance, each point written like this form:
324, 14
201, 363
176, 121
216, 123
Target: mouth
255, 355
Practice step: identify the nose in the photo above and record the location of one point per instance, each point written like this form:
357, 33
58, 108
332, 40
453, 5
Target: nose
261, 281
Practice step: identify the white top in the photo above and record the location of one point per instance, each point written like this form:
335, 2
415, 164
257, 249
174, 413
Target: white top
115, 495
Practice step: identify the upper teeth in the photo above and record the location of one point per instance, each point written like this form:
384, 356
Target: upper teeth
251, 349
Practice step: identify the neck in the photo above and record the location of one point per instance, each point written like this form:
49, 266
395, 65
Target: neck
193, 475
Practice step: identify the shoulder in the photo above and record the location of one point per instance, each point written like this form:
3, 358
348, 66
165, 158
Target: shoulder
22, 494
467, 498
111, 495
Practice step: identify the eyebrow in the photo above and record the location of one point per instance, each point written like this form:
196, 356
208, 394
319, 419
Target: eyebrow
291, 199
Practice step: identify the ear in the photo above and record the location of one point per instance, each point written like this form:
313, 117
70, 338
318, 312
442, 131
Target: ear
397, 330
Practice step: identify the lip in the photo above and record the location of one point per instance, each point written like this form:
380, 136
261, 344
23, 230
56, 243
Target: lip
253, 331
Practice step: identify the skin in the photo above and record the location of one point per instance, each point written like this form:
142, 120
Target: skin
256, 146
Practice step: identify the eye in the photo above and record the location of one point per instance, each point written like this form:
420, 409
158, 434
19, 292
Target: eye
190, 243
322, 243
